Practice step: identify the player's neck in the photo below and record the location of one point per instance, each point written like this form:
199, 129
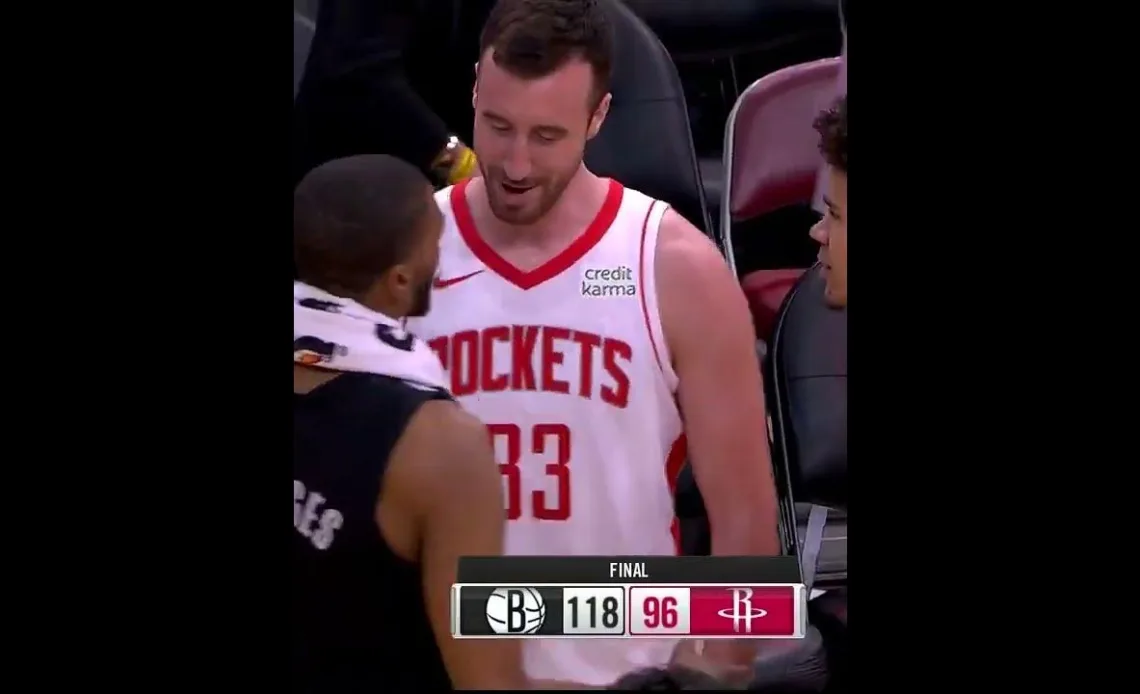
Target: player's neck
569, 217
385, 305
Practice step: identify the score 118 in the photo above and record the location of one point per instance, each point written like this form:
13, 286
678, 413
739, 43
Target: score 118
593, 611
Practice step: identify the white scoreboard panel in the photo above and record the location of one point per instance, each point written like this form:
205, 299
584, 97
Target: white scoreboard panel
659, 611
593, 610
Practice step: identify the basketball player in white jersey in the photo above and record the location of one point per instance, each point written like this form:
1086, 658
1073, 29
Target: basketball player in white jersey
600, 336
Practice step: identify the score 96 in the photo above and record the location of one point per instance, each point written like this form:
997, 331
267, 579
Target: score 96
659, 610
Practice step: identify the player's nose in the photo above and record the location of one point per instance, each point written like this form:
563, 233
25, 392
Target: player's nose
517, 166
819, 232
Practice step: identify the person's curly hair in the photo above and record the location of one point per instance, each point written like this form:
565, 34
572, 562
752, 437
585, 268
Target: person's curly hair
832, 128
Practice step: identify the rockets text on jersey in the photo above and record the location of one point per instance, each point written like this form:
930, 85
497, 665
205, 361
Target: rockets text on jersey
567, 365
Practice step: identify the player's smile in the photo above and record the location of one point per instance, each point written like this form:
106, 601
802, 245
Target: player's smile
514, 190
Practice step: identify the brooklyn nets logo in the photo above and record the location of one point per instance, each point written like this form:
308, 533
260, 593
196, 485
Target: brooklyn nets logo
515, 611
742, 612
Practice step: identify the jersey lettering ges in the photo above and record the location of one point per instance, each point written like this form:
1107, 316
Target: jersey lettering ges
312, 519
568, 367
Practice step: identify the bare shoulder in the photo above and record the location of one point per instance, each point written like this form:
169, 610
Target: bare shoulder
442, 433
438, 453
693, 278
679, 242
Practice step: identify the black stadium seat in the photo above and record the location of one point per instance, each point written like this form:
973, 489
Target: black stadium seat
703, 29
646, 142
807, 396
807, 403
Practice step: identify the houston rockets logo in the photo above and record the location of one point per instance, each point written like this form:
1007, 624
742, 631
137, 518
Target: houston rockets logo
742, 612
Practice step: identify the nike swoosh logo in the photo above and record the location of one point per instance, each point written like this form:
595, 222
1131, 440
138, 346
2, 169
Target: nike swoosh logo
440, 283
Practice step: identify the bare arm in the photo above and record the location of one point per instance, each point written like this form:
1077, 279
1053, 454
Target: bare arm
710, 335
455, 492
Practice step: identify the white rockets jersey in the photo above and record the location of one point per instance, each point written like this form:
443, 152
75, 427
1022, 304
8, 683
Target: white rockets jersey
567, 365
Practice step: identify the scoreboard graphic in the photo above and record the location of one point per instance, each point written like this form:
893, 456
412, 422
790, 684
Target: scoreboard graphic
628, 604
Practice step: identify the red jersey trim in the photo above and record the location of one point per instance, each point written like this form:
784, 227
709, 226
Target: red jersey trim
641, 290
528, 279
674, 462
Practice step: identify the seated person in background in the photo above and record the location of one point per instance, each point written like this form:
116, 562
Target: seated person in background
355, 97
831, 230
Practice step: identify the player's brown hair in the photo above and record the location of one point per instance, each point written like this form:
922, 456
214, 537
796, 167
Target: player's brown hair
354, 218
832, 128
533, 38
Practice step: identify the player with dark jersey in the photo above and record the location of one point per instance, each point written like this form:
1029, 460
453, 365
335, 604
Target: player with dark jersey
392, 481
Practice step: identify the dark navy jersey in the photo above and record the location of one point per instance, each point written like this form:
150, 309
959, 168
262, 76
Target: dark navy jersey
359, 620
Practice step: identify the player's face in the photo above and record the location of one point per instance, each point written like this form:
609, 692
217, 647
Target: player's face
414, 276
530, 135
831, 233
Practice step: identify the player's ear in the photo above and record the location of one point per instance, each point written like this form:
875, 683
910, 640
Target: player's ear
599, 116
399, 283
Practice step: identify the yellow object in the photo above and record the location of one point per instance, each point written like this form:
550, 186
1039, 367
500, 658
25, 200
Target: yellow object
463, 168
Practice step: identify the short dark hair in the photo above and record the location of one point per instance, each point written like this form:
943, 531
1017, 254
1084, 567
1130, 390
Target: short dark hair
832, 128
533, 38
355, 218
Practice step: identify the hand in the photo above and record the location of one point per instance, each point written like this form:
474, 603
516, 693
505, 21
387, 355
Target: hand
456, 162
730, 662
463, 166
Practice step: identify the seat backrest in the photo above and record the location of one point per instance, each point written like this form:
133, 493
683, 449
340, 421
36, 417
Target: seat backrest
303, 29
709, 29
771, 152
840, 90
807, 395
646, 142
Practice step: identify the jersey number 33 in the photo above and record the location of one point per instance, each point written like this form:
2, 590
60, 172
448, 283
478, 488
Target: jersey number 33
550, 443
